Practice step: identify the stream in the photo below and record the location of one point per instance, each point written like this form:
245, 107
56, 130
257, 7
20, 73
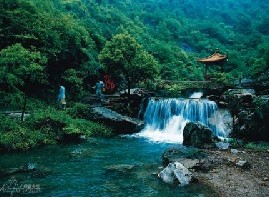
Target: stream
99, 167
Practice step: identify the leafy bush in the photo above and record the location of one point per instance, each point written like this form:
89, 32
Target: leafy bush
15, 135
61, 123
224, 79
45, 126
80, 110
84, 127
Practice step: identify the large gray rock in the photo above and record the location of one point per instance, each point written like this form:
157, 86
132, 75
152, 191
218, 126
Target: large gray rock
243, 165
119, 123
239, 92
198, 135
242, 95
253, 125
176, 173
222, 145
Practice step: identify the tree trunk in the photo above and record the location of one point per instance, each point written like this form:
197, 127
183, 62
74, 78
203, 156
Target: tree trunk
206, 70
23, 108
129, 86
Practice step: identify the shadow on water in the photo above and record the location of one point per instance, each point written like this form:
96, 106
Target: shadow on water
100, 167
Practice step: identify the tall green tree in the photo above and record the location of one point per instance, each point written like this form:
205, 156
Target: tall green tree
124, 56
20, 70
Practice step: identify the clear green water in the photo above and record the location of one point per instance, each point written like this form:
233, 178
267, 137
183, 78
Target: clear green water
93, 172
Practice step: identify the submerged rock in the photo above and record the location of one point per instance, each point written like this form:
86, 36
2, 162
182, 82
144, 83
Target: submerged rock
122, 168
171, 155
32, 169
198, 135
189, 157
176, 173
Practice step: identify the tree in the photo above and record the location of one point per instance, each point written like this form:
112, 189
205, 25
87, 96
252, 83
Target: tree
20, 69
124, 56
74, 83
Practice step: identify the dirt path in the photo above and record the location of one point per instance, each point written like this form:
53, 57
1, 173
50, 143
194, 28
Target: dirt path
230, 180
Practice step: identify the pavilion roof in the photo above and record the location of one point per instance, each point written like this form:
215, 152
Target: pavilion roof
214, 58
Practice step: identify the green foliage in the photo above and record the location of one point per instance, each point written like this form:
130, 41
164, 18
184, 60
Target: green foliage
167, 36
223, 79
20, 139
15, 135
20, 67
86, 127
124, 56
59, 123
172, 90
73, 83
45, 126
258, 146
42, 42
11, 100
80, 110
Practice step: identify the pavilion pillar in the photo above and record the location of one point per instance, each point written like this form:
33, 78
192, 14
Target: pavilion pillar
206, 72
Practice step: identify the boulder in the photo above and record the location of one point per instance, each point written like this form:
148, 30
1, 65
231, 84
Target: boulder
223, 104
234, 151
176, 173
239, 92
222, 145
243, 165
247, 82
245, 96
198, 135
119, 123
213, 98
189, 157
253, 125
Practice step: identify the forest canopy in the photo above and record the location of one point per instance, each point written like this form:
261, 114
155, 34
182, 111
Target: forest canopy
60, 38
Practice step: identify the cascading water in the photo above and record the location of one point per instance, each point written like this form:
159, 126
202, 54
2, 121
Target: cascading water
166, 118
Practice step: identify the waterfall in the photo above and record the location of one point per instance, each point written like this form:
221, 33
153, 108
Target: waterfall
165, 119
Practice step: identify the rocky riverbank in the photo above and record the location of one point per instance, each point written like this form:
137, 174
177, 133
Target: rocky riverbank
231, 173
231, 178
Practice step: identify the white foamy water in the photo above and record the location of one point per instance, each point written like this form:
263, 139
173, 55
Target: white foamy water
172, 132
165, 119
197, 95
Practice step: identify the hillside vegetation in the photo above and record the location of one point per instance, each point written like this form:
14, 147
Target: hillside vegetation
137, 42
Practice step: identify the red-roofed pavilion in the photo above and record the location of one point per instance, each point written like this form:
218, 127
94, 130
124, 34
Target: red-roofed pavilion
215, 59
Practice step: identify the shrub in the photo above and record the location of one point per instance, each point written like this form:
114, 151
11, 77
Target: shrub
60, 123
80, 110
85, 127
45, 126
15, 135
